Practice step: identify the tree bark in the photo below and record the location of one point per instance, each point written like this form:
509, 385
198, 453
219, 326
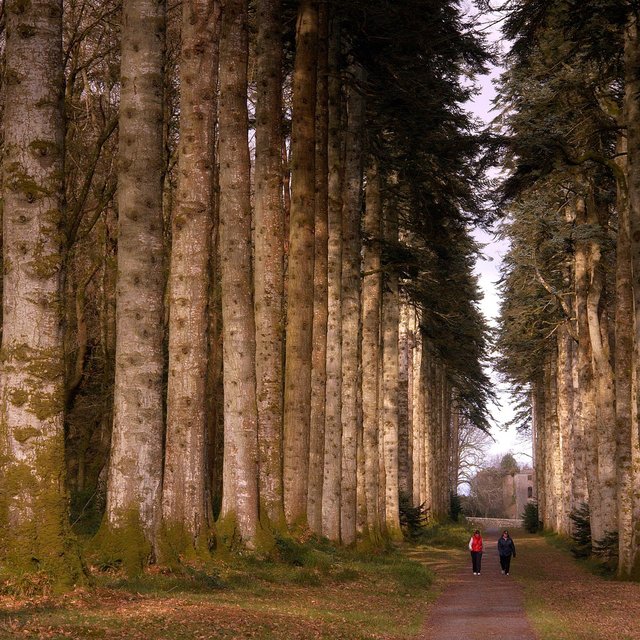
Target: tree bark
134, 485
297, 375
184, 506
33, 502
351, 285
333, 406
565, 423
371, 301
390, 323
269, 257
320, 300
404, 428
240, 493
632, 121
587, 400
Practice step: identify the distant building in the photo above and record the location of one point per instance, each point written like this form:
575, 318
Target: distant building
517, 490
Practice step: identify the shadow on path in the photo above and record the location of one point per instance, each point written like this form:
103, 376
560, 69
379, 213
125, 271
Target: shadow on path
484, 607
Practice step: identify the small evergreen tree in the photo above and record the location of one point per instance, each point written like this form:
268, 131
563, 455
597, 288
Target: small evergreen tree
582, 546
530, 518
455, 507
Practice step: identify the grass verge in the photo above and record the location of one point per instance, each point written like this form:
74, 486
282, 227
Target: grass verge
301, 592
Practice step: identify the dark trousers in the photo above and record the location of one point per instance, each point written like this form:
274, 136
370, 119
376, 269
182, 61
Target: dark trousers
505, 563
476, 560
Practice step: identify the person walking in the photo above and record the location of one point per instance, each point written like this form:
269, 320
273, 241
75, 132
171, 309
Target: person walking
475, 546
506, 549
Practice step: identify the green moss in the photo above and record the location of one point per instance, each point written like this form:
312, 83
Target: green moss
177, 547
18, 397
23, 434
18, 180
45, 267
227, 535
39, 551
44, 148
125, 546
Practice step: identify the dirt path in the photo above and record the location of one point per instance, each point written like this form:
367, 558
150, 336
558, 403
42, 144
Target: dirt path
489, 606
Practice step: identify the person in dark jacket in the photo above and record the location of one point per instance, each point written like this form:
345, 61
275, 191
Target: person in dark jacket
506, 549
475, 546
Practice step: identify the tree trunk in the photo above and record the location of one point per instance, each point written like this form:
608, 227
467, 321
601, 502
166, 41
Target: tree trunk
371, 300
390, 322
623, 374
184, 507
632, 121
604, 386
565, 423
404, 464
418, 422
269, 257
297, 375
319, 350
134, 485
351, 283
333, 406
587, 400
33, 502
240, 494
538, 403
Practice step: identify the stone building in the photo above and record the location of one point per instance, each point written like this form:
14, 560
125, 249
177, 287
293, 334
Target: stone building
517, 490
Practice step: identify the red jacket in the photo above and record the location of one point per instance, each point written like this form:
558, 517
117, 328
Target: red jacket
475, 544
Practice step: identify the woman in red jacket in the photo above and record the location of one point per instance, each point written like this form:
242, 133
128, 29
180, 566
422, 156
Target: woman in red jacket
475, 546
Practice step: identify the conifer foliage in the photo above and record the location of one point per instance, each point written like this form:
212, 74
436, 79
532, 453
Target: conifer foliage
569, 321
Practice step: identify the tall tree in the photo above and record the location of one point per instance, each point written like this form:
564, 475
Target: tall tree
134, 493
297, 377
184, 481
320, 283
239, 516
333, 393
351, 269
269, 257
33, 501
371, 305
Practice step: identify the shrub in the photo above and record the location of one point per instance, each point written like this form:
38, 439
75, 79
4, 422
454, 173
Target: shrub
455, 507
581, 534
607, 550
412, 519
530, 518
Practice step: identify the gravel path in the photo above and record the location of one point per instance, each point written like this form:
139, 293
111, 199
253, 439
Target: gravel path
484, 607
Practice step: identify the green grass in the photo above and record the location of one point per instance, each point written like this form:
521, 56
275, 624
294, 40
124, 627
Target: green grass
448, 535
296, 592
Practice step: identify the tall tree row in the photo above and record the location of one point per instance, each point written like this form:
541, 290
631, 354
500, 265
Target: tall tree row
271, 318
570, 278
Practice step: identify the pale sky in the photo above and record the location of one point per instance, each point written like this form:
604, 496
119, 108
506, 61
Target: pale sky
488, 268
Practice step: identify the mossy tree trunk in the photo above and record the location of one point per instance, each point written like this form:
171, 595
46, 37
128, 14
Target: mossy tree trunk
240, 493
269, 257
36, 537
134, 485
333, 407
184, 509
351, 286
320, 299
297, 375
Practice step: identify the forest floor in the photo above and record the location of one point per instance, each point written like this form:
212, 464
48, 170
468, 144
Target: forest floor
333, 595
307, 594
